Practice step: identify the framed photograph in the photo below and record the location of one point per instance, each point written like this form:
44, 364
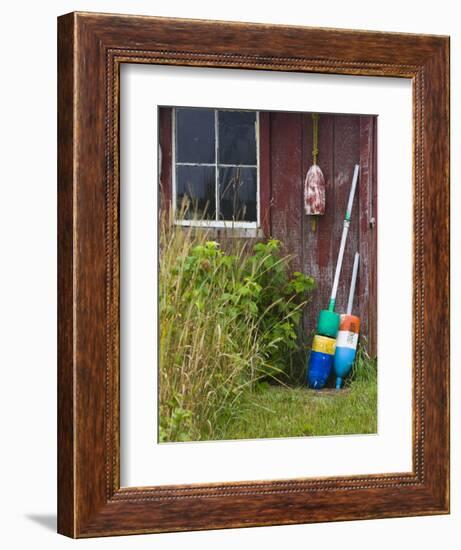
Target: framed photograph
253, 259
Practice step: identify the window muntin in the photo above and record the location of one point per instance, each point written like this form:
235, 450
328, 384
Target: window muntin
215, 167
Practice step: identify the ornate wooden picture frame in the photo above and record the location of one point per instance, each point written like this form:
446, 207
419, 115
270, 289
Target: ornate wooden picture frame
92, 48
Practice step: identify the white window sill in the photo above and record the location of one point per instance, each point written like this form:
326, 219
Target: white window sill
231, 229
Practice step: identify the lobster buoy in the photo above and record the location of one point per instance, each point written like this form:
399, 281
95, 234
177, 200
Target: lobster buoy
314, 184
346, 347
348, 334
320, 361
314, 192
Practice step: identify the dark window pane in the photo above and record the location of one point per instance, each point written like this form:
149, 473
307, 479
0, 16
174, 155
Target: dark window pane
237, 137
195, 135
195, 192
237, 194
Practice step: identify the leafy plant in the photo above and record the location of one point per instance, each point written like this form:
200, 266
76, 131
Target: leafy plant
229, 318
280, 302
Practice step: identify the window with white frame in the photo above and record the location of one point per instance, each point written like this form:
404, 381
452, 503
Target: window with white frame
215, 167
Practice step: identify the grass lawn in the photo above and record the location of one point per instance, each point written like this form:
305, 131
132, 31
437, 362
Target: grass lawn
276, 411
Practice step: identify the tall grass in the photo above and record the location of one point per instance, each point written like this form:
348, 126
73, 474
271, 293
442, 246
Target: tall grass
365, 368
227, 320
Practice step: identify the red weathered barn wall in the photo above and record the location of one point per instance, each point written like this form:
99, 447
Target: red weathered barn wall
165, 158
344, 140
285, 157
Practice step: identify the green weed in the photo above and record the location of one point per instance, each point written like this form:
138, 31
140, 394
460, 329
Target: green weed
229, 317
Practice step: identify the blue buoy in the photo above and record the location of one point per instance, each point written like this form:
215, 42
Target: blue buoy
344, 359
319, 369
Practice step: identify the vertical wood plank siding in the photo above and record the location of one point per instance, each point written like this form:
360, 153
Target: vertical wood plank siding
166, 167
287, 183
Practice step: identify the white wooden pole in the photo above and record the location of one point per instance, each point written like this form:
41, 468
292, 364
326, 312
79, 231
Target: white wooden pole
353, 282
342, 246
352, 193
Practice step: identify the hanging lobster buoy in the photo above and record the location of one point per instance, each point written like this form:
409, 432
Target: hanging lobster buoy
314, 184
314, 192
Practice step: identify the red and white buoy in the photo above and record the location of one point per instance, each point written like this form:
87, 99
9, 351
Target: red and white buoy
348, 334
